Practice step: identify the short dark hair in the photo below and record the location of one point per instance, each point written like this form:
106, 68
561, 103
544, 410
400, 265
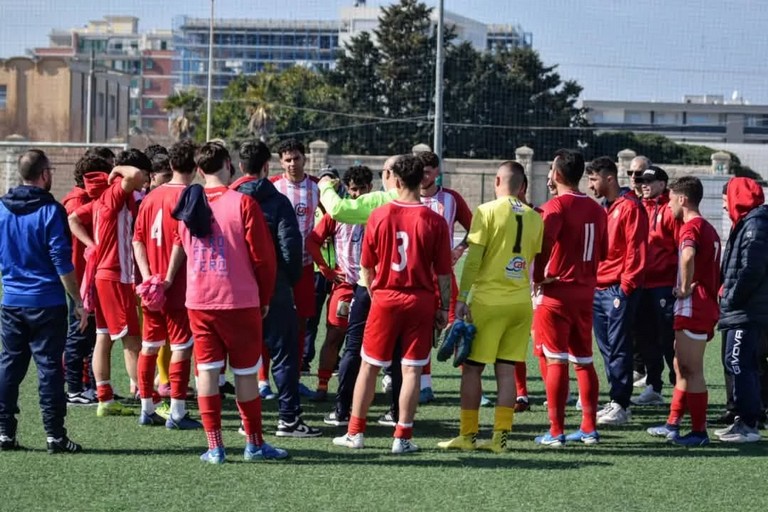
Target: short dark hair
358, 174
90, 163
518, 178
690, 187
161, 164
428, 159
32, 164
570, 165
290, 145
155, 149
725, 187
410, 170
602, 165
211, 157
135, 158
181, 156
253, 155
101, 151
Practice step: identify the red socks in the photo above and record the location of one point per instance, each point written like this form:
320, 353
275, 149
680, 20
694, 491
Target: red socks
178, 374
250, 413
323, 376
104, 391
521, 377
356, 425
404, 430
210, 413
264, 369
427, 369
697, 405
588, 390
146, 370
557, 395
677, 407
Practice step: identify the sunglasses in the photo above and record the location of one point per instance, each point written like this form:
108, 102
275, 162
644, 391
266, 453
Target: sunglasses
635, 173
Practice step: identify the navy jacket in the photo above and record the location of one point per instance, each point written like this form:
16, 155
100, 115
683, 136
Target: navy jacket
35, 248
281, 219
745, 259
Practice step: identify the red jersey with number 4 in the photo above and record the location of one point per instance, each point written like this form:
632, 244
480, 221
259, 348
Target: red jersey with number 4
575, 242
701, 306
408, 245
156, 229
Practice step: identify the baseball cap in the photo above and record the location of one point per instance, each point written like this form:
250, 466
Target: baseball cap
329, 171
652, 173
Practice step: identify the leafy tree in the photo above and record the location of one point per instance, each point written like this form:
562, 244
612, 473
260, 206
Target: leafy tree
185, 109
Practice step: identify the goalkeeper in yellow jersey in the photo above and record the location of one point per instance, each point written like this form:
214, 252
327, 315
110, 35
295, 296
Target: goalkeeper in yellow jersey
495, 295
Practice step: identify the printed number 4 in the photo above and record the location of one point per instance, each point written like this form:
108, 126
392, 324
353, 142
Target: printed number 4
156, 233
402, 247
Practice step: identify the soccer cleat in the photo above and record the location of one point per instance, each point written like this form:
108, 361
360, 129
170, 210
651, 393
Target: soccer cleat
451, 335
638, 379
9, 444
485, 401
164, 390
550, 441
497, 444
388, 420
355, 442
63, 445
185, 423
296, 429
82, 398
214, 456
739, 432
321, 395
305, 391
386, 384
691, 440
401, 446
113, 409
266, 393
614, 415
580, 436
648, 397
465, 345
333, 418
227, 389
163, 410
263, 452
149, 420
426, 395
667, 431
522, 404
464, 443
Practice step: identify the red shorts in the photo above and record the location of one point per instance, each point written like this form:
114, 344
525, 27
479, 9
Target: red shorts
396, 316
227, 332
304, 293
697, 315
696, 328
160, 326
116, 310
564, 332
338, 304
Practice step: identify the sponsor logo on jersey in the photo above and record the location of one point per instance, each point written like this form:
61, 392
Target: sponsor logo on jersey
301, 209
516, 267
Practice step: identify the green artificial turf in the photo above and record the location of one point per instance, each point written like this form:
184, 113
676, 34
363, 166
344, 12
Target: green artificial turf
128, 467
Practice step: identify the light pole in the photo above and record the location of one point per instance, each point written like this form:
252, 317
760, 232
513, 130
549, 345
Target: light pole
210, 79
89, 98
438, 139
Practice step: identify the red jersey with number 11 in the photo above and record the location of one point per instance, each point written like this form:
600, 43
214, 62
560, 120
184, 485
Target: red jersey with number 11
408, 245
575, 241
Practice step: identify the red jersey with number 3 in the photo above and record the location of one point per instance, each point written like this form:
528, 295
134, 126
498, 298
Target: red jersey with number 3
701, 305
408, 245
156, 229
575, 241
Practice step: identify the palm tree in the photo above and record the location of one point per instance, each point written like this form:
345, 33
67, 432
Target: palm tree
260, 92
184, 109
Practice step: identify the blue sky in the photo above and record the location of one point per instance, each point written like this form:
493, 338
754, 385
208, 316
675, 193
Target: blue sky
645, 50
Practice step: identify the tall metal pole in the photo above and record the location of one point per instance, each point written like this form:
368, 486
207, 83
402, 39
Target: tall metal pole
438, 140
89, 98
210, 79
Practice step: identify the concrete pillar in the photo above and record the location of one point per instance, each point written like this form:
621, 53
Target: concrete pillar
318, 155
9, 163
625, 157
721, 163
524, 156
420, 148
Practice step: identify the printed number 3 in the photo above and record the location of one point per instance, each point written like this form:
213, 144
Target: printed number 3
402, 247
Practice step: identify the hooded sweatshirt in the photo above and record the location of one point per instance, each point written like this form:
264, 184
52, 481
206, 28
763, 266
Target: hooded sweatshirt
35, 248
744, 269
95, 184
663, 228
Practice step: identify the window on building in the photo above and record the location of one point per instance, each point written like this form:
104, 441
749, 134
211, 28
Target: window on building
668, 118
3, 96
100, 104
637, 117
704, 119
163, 45
149, 104
149, 64
112, 106
147, 83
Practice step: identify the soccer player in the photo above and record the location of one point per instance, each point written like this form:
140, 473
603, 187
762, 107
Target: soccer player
280, 324
116, 310
655, 305
347, 239
743, 312
37, 270
453, 208
696, 312
575, 241
505, 236
154, 233
404, 247
301, 190
231, 270
79, 346
619, 276
102, 152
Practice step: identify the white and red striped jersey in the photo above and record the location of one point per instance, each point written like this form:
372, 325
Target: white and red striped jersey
305, 198
451, 206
